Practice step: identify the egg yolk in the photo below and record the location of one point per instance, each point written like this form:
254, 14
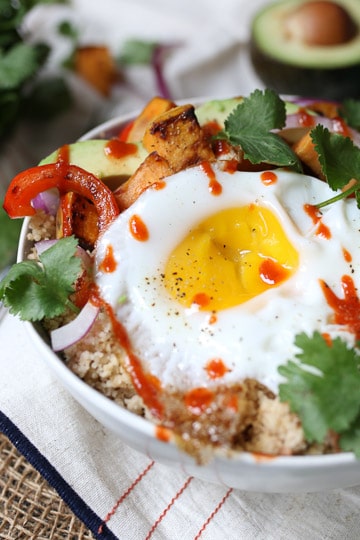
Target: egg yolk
229, 258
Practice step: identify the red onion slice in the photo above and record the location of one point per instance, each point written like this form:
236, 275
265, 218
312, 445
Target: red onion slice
71, 333
43, 245
48, 201
296, 121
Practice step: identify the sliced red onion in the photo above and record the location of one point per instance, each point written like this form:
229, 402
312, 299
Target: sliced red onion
71, 333
309, 101
296, 121
48, 201
157, 62
43, 245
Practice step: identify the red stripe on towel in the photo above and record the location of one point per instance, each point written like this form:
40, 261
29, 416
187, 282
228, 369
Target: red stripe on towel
165, 511
213, 513
125, 494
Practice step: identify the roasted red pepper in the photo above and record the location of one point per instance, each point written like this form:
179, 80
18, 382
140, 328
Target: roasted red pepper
65, 177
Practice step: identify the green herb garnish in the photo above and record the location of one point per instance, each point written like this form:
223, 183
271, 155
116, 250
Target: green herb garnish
250, 126
340, 162
37, 290
323, 388
350, 111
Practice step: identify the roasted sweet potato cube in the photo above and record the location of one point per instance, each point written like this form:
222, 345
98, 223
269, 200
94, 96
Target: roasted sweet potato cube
152, 109
305, 150
177, 136
326, 108
76, 215
96, 65
152, 170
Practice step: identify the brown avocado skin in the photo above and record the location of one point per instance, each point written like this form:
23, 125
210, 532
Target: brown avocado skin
332, 83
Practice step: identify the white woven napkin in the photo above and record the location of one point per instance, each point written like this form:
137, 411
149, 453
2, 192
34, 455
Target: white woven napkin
116, 491
144, 499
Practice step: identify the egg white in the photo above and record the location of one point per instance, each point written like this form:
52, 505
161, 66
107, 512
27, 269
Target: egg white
254, 338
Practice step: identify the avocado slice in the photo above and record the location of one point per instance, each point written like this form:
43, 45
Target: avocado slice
91, 156
216, 110
308, 48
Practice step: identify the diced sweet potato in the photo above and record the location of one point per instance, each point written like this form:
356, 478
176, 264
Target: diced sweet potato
325, 108
305, 150
177, 136
96, 65
153, 169
76, 215
152, 109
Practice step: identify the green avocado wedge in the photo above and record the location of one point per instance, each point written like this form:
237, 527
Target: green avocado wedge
299, 52
216, 110
92, 156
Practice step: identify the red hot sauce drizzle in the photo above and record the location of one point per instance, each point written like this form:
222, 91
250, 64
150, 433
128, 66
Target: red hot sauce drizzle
268, 178
216, 368
272, 272
108, 264
347, 309
138, 228
347, 255
306, 119
117, 149
146, 384
201, 299
314, 213
340, 126
215, 187
198, 400
63, 156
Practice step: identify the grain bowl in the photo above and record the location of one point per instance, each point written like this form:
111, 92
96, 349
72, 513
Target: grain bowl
191, 403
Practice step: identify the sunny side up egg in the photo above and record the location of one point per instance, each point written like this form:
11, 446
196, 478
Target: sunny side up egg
212, 274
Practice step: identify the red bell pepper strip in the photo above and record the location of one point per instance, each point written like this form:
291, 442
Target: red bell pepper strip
65, 177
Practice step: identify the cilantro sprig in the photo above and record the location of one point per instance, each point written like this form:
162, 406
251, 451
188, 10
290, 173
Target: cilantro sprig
323, 388
251, 126
340, 162
37, 290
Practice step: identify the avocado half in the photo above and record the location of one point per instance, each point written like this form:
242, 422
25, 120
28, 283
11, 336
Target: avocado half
290, 56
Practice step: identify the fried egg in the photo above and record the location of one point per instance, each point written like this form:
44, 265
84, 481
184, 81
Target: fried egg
212, 274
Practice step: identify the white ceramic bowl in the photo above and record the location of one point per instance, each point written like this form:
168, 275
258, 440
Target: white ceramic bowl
242, 470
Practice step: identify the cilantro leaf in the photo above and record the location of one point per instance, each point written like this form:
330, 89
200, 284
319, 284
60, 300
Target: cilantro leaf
323, 386
35, 291
350, 111
339, 157
257, 141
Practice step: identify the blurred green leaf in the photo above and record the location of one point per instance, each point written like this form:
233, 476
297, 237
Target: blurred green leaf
47, 98
10, 230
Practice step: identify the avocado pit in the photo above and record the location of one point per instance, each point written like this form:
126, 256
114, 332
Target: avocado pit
321, 23
308, 47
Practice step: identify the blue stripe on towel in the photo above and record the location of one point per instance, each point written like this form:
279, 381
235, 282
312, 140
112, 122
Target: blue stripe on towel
51, 475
